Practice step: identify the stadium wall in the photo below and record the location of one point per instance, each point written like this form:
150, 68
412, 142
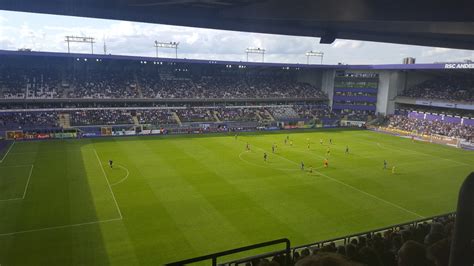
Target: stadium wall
389, 83
327, 84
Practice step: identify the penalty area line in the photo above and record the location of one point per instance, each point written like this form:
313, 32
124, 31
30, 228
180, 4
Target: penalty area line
108, 183
27, 181
8, 151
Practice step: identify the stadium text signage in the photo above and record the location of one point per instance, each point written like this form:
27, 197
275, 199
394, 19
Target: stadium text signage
456, 66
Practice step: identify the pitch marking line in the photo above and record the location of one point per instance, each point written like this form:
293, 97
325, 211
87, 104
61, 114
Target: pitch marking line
263, 166
356, 189
59, 227
414, 152
123, 179
27, 181
69, 225
8, 151
108, 183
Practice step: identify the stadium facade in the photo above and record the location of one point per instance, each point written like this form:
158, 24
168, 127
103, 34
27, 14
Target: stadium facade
68, 88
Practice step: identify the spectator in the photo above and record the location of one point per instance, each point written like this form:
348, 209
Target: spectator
412, 254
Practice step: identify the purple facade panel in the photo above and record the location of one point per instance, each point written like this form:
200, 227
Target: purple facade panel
416, 115
366, 90
370, 99
431, 117
354, 107
468, 122
454, 120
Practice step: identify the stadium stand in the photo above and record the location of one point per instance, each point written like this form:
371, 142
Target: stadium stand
29, 120
449, 88
100, 117
129, 84
432, 124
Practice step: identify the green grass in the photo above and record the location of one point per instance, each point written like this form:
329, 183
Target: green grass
175, 197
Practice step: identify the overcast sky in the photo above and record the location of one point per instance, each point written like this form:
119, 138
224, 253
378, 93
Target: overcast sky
46, 33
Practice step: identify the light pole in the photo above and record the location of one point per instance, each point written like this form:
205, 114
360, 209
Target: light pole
171, 45
312, 53
255, 51
70, 39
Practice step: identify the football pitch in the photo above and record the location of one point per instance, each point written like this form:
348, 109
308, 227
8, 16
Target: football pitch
174, 197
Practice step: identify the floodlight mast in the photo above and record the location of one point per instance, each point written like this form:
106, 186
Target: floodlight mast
313, 53
255, 51
170, 45
70, 39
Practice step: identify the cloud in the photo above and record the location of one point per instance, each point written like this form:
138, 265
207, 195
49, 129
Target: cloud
435, 51
347, 44
46, 33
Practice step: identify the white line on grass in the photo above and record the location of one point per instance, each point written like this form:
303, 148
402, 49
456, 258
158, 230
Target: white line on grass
2, 200
108, 183
418, 152
16, 166
28, 181
5, 155
263, 166
123, 179
354, 188
59, 227
371, 195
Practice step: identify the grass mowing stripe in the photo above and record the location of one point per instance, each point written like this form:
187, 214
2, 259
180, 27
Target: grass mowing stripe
190, 195
108, 183
352, 187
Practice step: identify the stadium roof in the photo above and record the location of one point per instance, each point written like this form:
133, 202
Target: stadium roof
419, 22
150, 60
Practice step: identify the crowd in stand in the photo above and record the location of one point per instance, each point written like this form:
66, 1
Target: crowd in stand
444, 88
156, 117
314, 111
429, 127
237, 114
120, 116
427, 244
114, 84
100, 117
217, 87
25, 120
101, 84
195, 115
282, 113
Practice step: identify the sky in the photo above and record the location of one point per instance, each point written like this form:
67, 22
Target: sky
41, 32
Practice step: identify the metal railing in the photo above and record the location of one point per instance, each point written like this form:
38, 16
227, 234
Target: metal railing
347, 239
343, 240
215, 256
